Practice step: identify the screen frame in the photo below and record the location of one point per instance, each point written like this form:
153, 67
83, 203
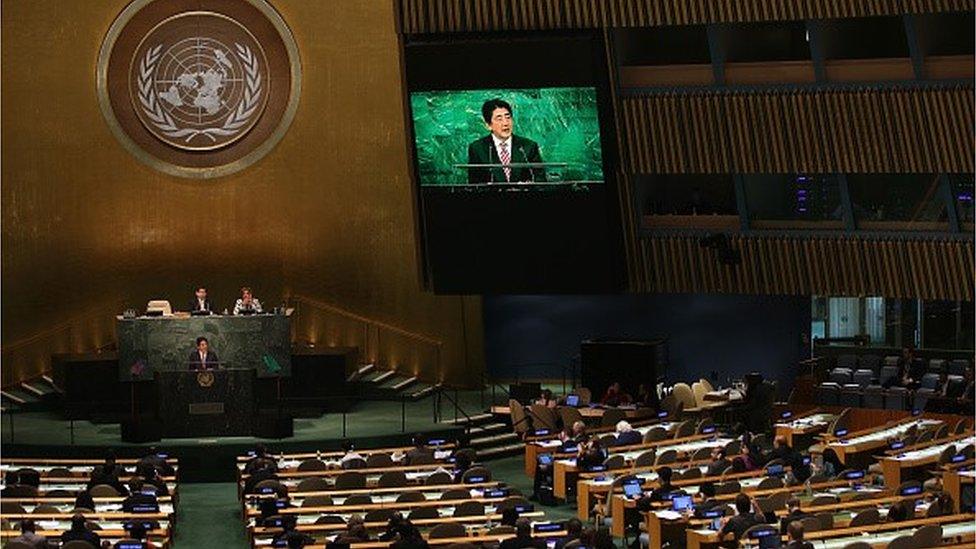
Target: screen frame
600, 80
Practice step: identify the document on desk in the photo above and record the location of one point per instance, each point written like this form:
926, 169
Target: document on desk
668, 515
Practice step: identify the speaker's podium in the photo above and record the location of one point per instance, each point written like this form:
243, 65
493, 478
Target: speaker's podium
206, 402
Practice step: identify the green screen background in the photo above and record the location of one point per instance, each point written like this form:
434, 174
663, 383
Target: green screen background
563, 121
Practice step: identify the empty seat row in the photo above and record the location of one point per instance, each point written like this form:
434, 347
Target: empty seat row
873, 396
956, 366
863, 378
831, 393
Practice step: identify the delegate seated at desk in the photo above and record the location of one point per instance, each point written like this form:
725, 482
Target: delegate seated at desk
202, 358
247, 304
200, 303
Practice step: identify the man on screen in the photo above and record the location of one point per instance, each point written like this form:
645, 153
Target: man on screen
202, 358
502, 147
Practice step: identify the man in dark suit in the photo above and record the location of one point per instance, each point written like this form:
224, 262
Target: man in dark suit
574, 528
523, 537
202, 358
420, 452
794, 514
79, 530
138, 501
108, 473
626, 435
200, 303
501, 146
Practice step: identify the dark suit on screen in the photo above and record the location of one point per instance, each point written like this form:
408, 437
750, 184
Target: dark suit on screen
195, 362
524, 150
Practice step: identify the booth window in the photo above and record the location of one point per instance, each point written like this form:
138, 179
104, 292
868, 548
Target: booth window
962, 196
788, 201
911, 202
693, 201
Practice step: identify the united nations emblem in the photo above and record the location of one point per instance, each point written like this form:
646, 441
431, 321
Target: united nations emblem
205, 378
199, 93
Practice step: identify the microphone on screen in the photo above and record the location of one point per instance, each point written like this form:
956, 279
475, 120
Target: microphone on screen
491, 173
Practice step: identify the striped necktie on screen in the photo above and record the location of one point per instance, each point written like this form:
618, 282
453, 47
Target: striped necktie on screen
505, 158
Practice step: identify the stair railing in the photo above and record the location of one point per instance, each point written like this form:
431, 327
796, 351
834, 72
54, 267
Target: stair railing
457, 408
343, 327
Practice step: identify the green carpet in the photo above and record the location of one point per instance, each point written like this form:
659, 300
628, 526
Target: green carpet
209, 515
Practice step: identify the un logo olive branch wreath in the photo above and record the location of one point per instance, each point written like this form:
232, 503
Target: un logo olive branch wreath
165, 123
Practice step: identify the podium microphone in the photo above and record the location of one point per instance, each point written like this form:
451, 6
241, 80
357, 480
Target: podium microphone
525, 157
491, 174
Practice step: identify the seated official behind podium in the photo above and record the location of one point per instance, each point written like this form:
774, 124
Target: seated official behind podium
500, 146
247, 304
200, 304
203, 358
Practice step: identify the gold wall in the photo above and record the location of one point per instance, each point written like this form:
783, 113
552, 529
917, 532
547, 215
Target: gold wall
328, 214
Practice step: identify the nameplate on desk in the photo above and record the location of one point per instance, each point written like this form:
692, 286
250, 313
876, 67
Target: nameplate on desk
206, 408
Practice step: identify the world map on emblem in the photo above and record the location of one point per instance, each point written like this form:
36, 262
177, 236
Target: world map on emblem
199, 86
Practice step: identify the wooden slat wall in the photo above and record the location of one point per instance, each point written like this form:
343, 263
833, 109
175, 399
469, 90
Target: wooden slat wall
870, 130
926, 269
849, 130
436, 16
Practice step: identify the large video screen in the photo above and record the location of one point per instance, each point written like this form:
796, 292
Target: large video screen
514, 136
514, 162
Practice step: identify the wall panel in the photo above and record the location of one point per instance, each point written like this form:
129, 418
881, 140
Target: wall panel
436, 16
865, 130
841, 266
87, 229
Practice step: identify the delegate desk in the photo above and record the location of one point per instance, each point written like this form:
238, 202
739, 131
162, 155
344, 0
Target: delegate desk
384, 496
551, 444
565, 470
666, 525
593, 411
477, 538
164, 343
878, 535
853, 449
287, 464
799, 430
435, 445
958, 483
894, 466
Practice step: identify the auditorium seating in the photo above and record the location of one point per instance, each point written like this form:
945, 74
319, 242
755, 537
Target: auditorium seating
858, 382
442, 507
49, 498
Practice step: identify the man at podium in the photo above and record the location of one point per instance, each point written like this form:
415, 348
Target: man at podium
502, 147
202, 358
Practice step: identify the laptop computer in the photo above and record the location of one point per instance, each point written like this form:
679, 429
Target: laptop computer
573, 401
681, 503
633, 490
